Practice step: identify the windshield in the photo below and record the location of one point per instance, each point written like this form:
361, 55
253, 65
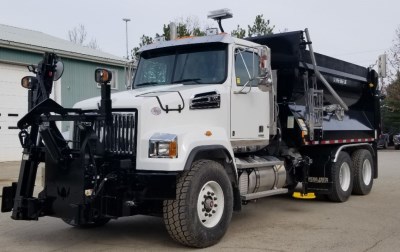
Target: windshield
194, 64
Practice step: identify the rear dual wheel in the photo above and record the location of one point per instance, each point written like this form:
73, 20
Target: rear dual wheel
352, 175
342, 178
363, 172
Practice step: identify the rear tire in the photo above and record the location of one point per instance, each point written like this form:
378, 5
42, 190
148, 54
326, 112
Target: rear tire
201, 213
363, 172
342, 178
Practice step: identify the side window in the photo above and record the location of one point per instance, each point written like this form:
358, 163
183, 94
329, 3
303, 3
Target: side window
246, 67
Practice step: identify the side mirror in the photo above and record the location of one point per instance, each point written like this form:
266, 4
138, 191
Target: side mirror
29, 82
102, 76
58, 71
265, 76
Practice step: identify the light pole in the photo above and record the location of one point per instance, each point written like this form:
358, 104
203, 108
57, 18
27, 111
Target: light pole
126, 20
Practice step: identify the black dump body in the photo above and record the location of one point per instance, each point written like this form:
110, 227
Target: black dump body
356, 85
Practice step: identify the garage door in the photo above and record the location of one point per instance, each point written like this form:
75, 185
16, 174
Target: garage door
13, 105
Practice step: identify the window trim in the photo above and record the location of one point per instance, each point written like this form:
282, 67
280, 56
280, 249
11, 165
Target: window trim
244, 49
183, 48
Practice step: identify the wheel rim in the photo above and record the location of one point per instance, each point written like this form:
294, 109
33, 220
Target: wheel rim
210, 204
344, 176
366, 172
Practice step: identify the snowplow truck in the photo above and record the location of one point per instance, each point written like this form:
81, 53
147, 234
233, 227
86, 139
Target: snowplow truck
211, 123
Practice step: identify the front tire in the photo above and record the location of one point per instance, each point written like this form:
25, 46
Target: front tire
363, 172
342, 178
201, 213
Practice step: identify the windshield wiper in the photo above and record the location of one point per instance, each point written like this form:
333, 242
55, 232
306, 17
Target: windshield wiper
147, 84
187, 80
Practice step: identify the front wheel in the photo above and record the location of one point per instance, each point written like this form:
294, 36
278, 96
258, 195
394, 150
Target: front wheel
342, 178
201, 213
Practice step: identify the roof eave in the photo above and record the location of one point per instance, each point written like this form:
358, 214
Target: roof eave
61, 53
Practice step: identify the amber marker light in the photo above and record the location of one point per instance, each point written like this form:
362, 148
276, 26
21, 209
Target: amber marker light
173, 150
102, 76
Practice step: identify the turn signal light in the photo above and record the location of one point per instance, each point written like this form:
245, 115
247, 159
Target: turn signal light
102, 76
173, 149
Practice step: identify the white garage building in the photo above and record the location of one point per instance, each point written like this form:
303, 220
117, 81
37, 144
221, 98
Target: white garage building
22, 47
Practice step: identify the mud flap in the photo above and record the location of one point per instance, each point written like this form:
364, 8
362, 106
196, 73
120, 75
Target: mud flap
320, 176
64, 185
320, 179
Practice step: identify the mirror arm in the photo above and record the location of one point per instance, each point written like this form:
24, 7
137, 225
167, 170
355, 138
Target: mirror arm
244, 63
244, 86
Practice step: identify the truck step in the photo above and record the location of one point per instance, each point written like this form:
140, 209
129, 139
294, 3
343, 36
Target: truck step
257, 162
257, 195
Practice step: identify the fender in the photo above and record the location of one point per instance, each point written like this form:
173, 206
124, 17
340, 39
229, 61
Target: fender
368, 146
218, 152
192, 140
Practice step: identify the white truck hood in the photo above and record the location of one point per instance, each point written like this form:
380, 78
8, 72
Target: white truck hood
168, 95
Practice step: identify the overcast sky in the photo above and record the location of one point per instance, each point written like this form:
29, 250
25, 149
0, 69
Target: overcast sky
353, 30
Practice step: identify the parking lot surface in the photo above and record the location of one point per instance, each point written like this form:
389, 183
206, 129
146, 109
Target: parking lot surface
279, 223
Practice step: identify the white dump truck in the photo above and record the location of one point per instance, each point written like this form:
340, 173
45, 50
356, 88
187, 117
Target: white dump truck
211, 123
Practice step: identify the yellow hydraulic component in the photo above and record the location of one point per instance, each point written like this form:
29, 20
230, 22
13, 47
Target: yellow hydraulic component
299, 195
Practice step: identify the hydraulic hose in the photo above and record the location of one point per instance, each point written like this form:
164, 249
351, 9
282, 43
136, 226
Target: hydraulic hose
319, 75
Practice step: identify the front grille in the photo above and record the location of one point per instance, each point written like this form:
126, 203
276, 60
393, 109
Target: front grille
119, 138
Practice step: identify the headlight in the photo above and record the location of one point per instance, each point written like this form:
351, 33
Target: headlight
163, 145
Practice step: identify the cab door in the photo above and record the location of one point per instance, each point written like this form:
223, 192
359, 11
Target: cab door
250, 113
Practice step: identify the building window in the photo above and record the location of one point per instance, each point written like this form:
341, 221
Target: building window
114, 80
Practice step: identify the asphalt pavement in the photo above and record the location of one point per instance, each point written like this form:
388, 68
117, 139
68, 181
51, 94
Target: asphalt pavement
278, 223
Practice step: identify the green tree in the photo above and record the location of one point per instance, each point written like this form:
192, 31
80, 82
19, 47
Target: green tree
185, 27
190, 27
391, 105
394, 57
239, 32
144, 40
260, 27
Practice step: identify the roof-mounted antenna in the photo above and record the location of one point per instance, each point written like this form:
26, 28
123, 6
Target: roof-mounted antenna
218, 15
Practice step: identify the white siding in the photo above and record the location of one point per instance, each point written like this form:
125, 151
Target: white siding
13, 105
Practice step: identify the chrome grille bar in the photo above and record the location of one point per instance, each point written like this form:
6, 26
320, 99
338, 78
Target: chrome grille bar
118, 138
